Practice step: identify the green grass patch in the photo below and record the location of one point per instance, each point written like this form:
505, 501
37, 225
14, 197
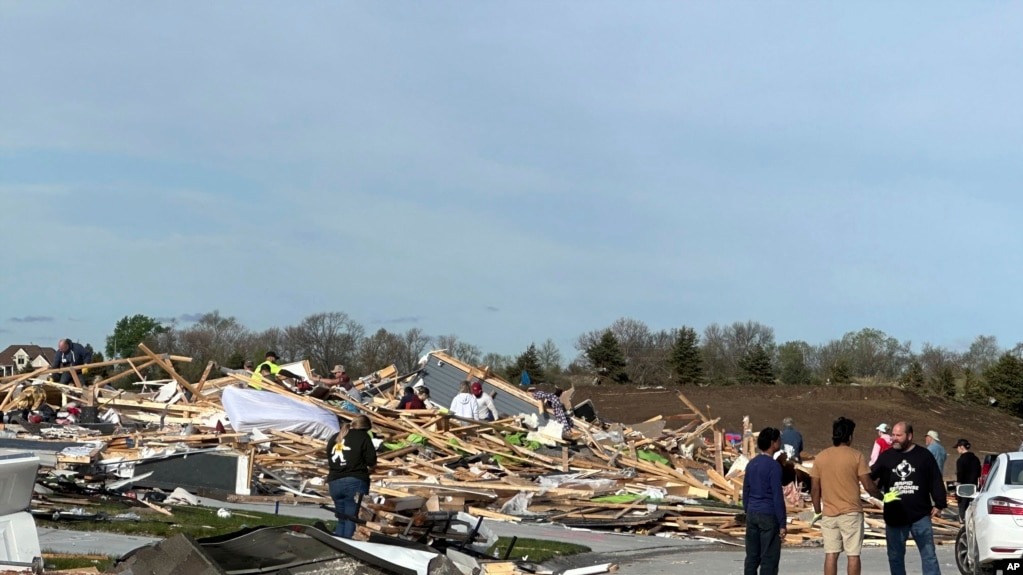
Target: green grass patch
195, 521
59, 562
535, 550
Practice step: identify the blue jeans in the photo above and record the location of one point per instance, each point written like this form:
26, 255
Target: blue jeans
763, 544
923, 534
343, 491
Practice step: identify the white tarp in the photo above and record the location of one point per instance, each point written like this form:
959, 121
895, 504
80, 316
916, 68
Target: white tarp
251, 409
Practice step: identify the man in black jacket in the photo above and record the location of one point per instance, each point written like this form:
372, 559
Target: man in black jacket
914, 491
967, 473
70, 354
351, 458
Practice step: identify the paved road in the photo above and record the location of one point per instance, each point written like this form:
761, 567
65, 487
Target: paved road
635, 555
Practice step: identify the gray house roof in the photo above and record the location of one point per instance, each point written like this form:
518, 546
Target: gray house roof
443, 374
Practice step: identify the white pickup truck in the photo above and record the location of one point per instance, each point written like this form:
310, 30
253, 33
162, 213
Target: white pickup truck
19, 541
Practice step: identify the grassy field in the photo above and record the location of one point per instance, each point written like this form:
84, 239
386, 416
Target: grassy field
59, 562
535, 550
195, 521
203, 522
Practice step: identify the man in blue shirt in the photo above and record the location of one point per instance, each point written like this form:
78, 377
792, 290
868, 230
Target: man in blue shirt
764, 504
937, 449
791, 440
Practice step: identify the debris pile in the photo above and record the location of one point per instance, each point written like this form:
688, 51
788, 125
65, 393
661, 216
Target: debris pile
260, 439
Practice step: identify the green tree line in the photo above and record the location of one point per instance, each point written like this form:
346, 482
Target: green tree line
625, 352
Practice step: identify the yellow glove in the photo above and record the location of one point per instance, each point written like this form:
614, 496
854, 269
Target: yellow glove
816, 518
85, 370
892, 495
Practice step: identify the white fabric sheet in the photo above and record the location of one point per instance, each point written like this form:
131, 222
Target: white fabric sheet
251, 409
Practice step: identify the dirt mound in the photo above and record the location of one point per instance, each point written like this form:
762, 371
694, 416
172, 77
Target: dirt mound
815, 408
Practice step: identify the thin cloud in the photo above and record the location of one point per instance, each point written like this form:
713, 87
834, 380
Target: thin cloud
32, 319
403, 319
492, 308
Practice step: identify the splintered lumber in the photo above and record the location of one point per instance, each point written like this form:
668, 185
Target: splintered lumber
435, 462
166, 366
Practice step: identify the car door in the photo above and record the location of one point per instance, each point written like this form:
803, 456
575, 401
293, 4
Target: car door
978, 518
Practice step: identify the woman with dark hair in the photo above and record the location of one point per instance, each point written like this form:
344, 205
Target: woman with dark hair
764, 504
351, 458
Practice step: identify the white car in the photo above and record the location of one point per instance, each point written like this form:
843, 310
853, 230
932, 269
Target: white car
992, 535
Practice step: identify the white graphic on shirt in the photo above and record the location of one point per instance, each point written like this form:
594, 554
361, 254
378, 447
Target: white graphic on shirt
904, 471
338, 453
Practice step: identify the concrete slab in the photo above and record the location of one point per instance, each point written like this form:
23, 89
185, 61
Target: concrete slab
88, 542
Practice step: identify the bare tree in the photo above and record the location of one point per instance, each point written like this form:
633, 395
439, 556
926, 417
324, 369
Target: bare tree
415, 344
549, 356
377, 351
328, 339
983, 353
461, 350
213, 337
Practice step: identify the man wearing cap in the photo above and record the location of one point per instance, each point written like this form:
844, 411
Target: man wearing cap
341, 380
881, 444
934, 445
967, 473
487, 409
270, 364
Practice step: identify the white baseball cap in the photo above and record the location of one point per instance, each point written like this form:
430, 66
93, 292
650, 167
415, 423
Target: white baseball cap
883, 427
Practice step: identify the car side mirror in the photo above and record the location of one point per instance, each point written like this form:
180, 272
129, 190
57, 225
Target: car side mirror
966, 491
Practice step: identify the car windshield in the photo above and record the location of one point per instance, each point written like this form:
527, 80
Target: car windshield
1014, 472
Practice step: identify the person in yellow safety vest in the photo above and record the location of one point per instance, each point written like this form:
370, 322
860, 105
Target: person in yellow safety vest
270, 363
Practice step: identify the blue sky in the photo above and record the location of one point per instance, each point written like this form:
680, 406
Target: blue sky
510, 172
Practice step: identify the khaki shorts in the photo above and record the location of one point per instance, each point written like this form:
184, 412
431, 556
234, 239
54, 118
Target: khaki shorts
843, 533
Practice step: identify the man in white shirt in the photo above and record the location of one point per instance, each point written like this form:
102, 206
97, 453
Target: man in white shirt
487, 409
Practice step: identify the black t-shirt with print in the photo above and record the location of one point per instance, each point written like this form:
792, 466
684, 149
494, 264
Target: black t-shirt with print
352, 456
915, 475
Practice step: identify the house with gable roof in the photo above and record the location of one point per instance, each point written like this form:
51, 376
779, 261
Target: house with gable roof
17, 357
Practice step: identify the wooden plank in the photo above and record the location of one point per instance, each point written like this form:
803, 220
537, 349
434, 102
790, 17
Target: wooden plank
692, 407
205, 374
166, 366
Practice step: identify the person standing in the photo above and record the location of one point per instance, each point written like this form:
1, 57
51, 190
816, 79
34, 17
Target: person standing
837, 474
464, 404
487, 409
552, 400
934, 445
967, 473
764, 505
882, 443
791, 440
70, 354
914, 492
351, 459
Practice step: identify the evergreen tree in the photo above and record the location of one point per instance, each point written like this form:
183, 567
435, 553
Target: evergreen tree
235, 361
944, 382
1005, 383
607, 357
756, 366
686, 359
792, 368
841, 372
974, 388
529, 362
913, 379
